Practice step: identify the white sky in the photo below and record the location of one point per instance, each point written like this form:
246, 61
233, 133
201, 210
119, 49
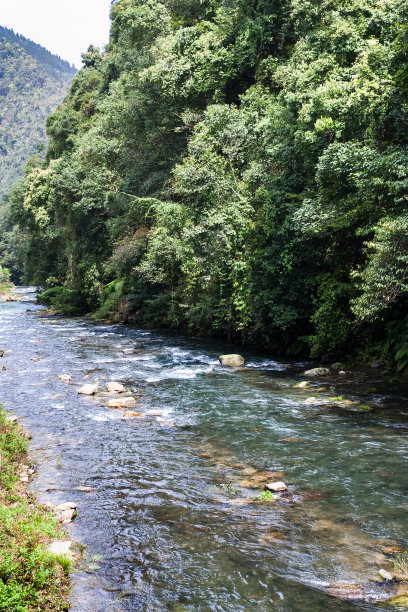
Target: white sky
64, 27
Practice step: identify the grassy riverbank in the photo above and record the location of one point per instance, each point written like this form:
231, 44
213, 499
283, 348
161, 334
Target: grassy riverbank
31, 579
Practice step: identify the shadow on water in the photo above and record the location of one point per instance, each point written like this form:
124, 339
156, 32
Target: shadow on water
172, 520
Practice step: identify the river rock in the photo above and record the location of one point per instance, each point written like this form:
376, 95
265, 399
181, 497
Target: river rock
302, 385
88, 389
336, 367
1, 353
65, 377
117, 403
276, 486
385, 575
345, 591
232, 360
257, 480
12, 418
61, 547
317, 372
310, 401
115, 387
65, 513
129, 401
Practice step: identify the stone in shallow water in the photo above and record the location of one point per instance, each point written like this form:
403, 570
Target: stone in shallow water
88, 389
310, 401
317, 372
233, 360
117, 403
115, 387
385, 575
65, 513
65, 377
302, 385
345, 591
276, 486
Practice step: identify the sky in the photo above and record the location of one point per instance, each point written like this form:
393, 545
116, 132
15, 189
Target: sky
64, 27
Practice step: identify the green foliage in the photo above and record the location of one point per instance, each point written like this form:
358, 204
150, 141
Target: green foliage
30, 577
237, 169
63, 300
32, 83
265, 497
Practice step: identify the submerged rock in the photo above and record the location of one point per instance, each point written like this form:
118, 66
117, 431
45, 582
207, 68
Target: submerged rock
88, 389
310, 401
65, 377
317, 372
257, 480
302, 385
117, 403
115, 387
233, 360
345, 591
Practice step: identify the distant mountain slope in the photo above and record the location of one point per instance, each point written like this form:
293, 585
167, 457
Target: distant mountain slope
32, 82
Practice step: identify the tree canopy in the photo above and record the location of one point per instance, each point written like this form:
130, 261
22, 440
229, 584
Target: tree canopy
235, 168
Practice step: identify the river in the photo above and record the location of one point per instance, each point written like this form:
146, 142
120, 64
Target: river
170, 522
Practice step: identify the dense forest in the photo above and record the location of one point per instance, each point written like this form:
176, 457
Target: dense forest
32, 83
235, 168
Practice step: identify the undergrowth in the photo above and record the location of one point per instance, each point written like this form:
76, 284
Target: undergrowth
31, 579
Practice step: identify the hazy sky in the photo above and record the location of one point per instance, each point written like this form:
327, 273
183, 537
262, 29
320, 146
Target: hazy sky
64, 27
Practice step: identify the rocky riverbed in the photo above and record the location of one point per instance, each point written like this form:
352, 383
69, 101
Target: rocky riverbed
199, 485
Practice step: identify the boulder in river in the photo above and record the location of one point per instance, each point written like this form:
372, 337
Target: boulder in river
88, 389
336, 367
317, 372
233, 360
302, 385
115, 387
275, 487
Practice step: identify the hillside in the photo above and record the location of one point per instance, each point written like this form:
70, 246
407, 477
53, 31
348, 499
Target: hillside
234, 168
32, 83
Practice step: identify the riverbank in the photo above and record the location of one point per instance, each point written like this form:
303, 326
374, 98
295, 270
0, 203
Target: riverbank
31, 578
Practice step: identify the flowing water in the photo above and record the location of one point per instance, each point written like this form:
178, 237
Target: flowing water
171, 522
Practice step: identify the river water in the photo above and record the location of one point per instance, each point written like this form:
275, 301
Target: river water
171, 522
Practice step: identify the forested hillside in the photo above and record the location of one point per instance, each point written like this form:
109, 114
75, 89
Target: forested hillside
235, 168
32, 83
